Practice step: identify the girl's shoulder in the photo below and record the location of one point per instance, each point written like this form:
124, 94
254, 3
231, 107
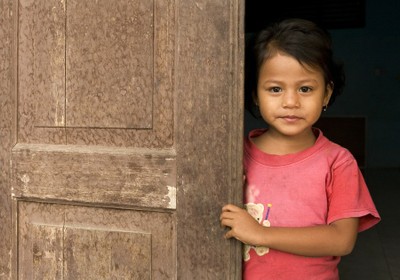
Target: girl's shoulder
335, 152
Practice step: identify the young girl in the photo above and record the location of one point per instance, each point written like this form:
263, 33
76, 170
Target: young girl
305, 196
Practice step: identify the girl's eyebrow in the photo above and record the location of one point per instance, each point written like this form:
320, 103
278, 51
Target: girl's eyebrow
282, 81
308, 81
271, 81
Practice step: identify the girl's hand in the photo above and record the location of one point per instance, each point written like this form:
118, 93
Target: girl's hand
242, 225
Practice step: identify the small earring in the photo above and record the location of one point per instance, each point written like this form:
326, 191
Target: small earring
325, 108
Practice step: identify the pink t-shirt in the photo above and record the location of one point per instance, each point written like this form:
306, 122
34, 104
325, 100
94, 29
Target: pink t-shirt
316, 186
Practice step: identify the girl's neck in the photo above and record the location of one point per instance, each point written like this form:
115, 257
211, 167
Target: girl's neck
274, 143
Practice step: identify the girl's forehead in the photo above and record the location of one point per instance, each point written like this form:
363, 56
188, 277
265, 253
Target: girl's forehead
285, 68
281, 59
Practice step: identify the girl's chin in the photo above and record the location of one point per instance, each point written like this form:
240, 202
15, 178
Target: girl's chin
291, 131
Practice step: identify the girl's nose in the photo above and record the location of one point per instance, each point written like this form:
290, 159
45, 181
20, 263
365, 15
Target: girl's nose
290, 99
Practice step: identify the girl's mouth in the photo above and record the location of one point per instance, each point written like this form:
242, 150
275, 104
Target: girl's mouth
290, 118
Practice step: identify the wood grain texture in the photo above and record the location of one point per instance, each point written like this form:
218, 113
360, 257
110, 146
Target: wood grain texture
103, 254
86, 170
209, 156
73, 242
47, 251
110, 64
41, 75
96, 72
7, 131
108, 176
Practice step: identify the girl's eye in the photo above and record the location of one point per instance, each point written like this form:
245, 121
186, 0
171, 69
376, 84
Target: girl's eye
305, 89
275, 89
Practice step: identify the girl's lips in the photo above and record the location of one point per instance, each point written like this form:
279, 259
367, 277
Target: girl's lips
290, 118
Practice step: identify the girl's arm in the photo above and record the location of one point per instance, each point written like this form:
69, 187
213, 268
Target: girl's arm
335, 239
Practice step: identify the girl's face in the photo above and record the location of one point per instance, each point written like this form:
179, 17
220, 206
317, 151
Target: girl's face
290, 96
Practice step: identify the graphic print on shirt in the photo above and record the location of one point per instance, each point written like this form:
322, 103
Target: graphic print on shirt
257, 211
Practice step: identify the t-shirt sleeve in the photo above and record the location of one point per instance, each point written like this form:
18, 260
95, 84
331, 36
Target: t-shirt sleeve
349, 197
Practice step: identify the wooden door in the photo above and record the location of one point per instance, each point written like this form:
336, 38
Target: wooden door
121, 138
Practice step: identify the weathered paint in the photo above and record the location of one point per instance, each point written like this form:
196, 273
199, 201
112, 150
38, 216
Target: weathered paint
107, 176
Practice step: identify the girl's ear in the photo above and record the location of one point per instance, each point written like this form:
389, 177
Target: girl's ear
328, 93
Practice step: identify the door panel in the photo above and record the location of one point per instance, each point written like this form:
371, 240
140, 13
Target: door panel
109, 176
80, 63
78, 242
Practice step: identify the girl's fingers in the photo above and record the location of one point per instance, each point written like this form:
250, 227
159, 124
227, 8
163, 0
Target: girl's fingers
226, 219
230, 208
226, 208
229, 213
226, 223
228, 235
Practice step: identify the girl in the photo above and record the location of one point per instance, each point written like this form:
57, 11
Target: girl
305, 196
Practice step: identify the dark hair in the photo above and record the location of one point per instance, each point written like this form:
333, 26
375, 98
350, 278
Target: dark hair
302, 39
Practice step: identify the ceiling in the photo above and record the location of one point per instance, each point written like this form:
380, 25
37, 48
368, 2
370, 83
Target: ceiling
332, 14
